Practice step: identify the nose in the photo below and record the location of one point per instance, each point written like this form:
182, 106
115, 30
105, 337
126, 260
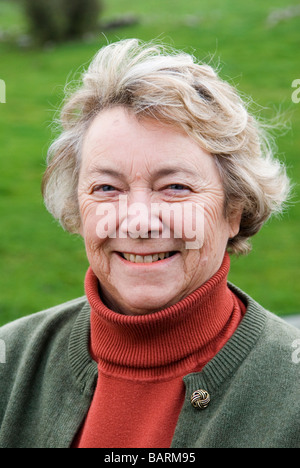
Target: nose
140, 217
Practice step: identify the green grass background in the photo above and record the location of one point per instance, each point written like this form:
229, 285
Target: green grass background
40, 265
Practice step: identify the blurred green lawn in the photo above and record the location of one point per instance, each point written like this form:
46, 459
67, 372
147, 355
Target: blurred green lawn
40, 265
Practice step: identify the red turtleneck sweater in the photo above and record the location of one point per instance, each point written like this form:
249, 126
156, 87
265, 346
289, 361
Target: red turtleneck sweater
142, 361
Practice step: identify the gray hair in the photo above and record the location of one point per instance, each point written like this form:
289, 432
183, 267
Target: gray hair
174, 88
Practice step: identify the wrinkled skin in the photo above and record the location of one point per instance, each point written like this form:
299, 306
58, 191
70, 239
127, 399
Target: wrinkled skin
148, 162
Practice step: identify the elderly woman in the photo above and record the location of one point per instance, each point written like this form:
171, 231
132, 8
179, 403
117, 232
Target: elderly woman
162, 171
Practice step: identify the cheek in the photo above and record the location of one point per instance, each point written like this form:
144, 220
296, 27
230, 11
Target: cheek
186, 222
94, 236
194, 225
216, 227
89, 226
106, 221
99, 220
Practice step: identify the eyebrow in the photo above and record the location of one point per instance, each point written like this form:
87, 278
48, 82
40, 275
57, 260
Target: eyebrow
163, 172
106, 171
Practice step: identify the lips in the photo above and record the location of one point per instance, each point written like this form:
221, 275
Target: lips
150, 258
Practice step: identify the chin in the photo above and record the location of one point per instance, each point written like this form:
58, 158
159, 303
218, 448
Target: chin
146, 303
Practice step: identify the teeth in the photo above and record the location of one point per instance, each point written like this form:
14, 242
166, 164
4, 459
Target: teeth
146, 259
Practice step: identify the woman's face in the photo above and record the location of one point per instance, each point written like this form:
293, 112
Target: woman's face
145, 190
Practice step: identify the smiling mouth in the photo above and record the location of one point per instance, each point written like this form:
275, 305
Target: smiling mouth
146, 258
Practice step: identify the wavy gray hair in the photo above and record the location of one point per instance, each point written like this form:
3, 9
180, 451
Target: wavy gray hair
174, 88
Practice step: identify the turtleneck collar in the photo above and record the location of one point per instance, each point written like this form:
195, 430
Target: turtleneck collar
166, 343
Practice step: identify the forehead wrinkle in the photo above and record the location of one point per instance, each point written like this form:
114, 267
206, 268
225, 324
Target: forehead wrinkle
96, 169
165, 171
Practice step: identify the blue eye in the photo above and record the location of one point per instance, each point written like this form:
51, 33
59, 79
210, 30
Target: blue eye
108, 188
178, 187
104, 188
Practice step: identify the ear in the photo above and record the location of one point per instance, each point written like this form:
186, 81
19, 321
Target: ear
235, 223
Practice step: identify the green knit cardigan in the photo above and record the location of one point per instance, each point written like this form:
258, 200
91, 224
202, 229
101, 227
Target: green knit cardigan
47, 381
